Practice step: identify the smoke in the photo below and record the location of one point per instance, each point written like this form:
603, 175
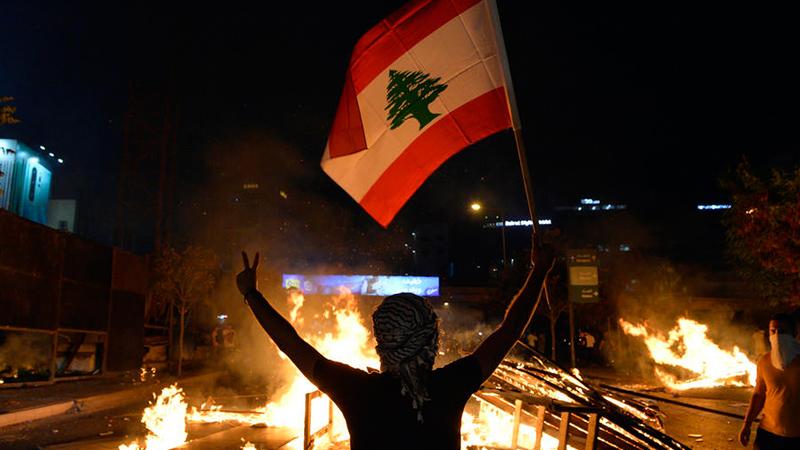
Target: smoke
257, 191
24, 352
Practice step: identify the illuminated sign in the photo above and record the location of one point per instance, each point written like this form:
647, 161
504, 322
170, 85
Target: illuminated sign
517, 223
713, 207
378, 285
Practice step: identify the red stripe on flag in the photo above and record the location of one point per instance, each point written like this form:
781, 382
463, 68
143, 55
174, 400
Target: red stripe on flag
347, 131
471, 122
398, 33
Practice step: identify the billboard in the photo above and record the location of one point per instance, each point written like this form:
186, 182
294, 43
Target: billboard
377, 285
25, 181
35, 191
7, 160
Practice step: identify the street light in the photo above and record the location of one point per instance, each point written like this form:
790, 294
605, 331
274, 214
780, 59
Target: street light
475, 207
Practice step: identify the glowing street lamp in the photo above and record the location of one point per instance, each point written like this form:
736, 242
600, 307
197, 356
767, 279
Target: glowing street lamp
475, 206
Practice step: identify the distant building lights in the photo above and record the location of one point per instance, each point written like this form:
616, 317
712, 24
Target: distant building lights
712, 207
750, 211
248, 186
517, 223
624, 247
589, 201
591, 207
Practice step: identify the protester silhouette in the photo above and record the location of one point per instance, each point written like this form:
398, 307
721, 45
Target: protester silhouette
407, 405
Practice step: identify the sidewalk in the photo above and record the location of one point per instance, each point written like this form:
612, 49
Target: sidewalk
26, 404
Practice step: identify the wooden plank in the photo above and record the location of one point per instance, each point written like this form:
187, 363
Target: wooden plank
307, 421
515, 429
540, 410
563, 431
591, 433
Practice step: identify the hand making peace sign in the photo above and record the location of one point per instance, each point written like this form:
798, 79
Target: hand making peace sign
247, 281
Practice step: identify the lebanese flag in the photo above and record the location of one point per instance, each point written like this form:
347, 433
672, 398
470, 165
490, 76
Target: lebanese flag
426, 82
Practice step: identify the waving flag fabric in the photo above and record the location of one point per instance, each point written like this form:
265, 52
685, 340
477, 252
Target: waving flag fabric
422, 85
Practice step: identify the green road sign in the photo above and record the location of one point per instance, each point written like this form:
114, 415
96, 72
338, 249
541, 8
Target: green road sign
583, 279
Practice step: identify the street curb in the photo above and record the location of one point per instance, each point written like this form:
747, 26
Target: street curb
87, 405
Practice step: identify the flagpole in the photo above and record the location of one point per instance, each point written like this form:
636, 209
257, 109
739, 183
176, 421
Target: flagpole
511, 101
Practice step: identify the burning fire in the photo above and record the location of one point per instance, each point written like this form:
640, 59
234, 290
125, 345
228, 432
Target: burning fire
688, 347
348, 341
493, 427
165, 420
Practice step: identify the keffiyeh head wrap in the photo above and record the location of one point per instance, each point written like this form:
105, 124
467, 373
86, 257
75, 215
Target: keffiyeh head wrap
407, 331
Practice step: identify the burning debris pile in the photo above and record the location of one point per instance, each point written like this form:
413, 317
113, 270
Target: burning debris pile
561, 404
527, 394
688, 348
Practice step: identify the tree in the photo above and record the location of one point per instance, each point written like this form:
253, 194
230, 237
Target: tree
409, 95
184, 279
557, 303
7, 111
763, 231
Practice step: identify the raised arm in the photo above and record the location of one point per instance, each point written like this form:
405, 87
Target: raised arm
302, 354
495, 347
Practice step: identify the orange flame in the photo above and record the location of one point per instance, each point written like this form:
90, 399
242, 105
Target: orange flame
165, 421
687, 346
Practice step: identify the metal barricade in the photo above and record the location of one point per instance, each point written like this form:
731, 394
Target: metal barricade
310, 437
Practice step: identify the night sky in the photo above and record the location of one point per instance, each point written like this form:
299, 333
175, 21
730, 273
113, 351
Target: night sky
643, 103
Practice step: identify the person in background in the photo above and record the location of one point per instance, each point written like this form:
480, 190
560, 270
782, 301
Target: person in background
777, 390
531, 340
590, 344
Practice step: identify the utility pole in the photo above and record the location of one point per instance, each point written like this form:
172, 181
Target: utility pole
572, 335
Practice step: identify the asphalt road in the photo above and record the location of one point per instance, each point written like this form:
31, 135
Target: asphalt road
109, 429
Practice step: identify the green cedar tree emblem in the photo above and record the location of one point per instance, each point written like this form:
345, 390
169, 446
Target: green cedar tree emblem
409, 94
